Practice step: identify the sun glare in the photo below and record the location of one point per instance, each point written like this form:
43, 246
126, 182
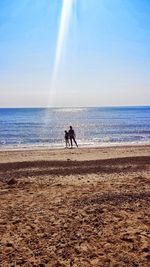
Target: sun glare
65, 18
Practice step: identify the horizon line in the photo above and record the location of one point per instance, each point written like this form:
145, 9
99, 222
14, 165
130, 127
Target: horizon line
62, 107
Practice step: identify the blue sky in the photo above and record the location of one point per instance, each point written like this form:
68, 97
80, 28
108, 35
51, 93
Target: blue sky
105, 58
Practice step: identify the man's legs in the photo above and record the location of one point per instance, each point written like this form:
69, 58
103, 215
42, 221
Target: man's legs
71, 141
75, 141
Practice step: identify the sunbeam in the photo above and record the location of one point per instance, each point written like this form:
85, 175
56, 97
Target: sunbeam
67, 9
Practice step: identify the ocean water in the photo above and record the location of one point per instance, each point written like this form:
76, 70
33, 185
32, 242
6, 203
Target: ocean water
107, 126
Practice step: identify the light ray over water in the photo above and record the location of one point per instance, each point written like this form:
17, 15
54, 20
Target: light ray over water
66, 13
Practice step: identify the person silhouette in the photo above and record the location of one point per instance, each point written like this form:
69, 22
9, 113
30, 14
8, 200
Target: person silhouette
67, 139
72, 137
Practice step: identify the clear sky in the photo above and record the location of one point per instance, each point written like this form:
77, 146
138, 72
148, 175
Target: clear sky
105, 58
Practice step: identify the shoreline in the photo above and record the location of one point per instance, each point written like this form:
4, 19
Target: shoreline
36, 148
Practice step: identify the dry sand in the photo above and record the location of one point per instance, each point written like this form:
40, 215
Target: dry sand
79, 207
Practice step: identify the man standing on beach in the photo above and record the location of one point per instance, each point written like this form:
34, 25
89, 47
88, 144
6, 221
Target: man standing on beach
72, 137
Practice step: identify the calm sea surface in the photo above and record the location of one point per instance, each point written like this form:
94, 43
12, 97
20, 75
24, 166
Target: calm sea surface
21, 128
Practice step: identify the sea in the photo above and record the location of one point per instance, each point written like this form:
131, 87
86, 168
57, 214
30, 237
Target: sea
31, 128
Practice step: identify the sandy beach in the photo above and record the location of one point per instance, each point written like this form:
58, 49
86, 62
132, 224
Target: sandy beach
75, 207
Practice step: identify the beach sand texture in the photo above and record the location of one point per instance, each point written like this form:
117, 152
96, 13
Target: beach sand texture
75, 207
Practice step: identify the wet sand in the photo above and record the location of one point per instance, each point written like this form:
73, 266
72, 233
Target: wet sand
80, 207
